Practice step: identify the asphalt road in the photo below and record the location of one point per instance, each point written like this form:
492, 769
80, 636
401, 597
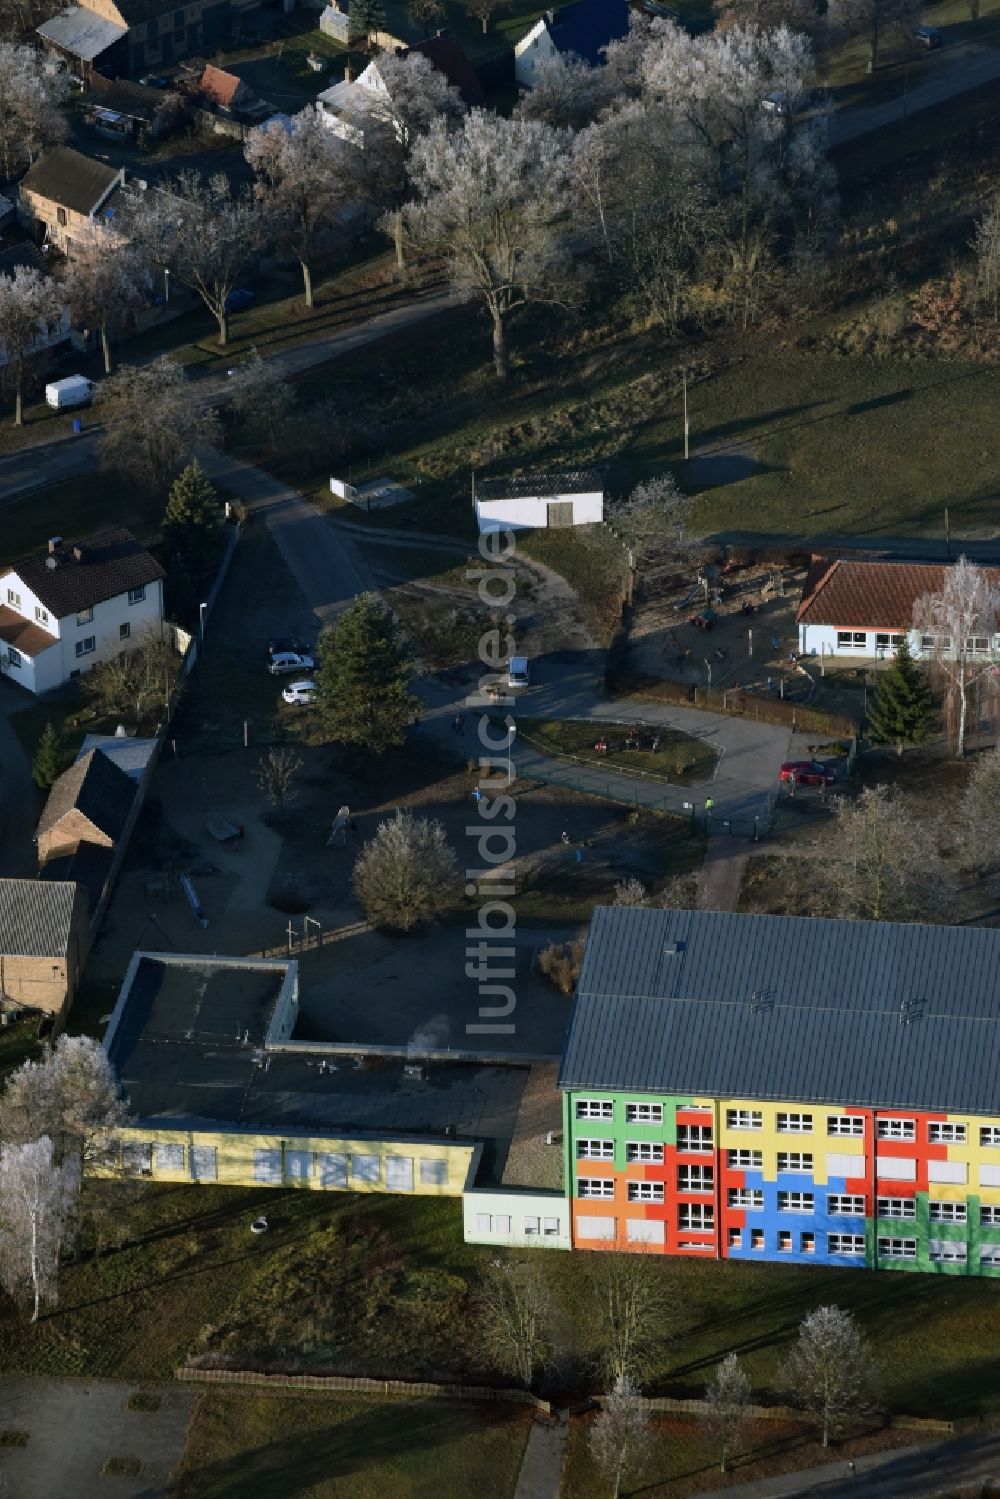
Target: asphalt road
952, 71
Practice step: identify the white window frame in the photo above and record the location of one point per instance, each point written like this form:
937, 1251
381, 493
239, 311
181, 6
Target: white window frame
331, 1167
751, 1199
650, 1151
87, 646
85, 616
595, 1188
850, 1125
745, 1159
595, 1108
532, 1226
785, 1241
734, 1238
807, 1241
943, 1132
399, 1173
695, 1139
433, 1171
550, 1228
696, 1179
14, 657
367, 1168
168, 1156
41, 615
295, 1160
696, 1217
896, 1207
989, 1134
137, 595
645, 1231
846, 1244
744, 1119
757, 1239
891, 1248
14, 599
794, 1122
989, 1254
589, 1149
947, 1251
989, 1214
796, 1202
204, 1161
845, 1205
644, 1113
896, 1129
799, 1161
267, 1166
940, 1211
645, 1192
125, 631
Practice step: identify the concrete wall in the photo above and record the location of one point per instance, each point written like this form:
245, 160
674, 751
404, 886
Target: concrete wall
865, 641
520, 1217
531, 512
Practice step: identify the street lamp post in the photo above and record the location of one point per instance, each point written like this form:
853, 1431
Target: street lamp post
201, 621
166, 285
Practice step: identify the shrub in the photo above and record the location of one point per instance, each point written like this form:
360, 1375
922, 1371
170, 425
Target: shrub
561, 962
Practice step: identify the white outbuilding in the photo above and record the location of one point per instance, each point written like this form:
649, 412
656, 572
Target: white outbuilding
535, 501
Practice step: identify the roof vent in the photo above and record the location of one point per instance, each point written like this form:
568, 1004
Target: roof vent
761, 1001
911, 1010
671, 949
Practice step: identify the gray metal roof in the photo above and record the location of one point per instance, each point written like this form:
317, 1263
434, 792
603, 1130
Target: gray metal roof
82, 32
36, 917
530, 486
130, 754
788, 1007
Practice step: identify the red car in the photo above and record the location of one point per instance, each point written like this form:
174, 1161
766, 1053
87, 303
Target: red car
807, 773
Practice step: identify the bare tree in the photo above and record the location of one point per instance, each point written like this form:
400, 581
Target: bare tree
491, 201
102, 285
727, 1396
985, 244
653, 518
154, 422
514, 1318
205, 233
71, 1096
485, 10
979, 816
631, 892
797, 15
261, 396
406, 873
135, 681
620, 1437
634, 1312
426, 13
881, 862
303, 180
37, 1204
414, 93
34, 87
29, 310
958, 628
830, 1371
276, 772
566, 92
874, 19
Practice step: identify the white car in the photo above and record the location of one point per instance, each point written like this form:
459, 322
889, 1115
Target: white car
301, 693
283, 661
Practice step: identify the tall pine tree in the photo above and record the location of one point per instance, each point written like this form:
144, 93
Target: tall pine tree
192, 521
363, 679
47, 765
903, 711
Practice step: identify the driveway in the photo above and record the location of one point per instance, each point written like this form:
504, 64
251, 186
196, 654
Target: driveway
75, 1426
20, 799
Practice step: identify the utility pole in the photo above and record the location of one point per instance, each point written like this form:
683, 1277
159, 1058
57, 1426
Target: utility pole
684, 384
947, 535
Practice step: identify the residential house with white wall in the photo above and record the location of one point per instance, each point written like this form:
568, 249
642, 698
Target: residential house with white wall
535, 501
65, 611
853, 608
352, 107
64, 193
581, 30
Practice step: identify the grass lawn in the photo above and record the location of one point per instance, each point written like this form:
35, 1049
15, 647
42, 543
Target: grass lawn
74, 509
678, 757
258, 1446
592, 563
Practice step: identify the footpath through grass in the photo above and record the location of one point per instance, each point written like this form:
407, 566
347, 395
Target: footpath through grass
676, 757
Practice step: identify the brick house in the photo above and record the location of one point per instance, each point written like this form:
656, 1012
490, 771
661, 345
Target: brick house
143, 33
88, 804
43, 942
64, 193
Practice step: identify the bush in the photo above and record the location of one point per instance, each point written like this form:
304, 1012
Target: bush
561, 962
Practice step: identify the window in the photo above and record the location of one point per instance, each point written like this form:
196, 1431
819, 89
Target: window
42, 615
955, 1172
136, 595
532, 1226
331, 1168
695, 1178
900, 1169
694, 1137
947, 1251
86, 645
785, 1242
989, 1254
502, 1225
795, 1160
168, 1157
267, 1166
399, 1173
744, 1119
85, 616
850, 640
298, 1165
978, 645
61, 217
595, 1150
484, 1223
946, 1134
796, 1202
989, 1215
433, 1173
843, 1165
989, 1134
137, 1158
734, 1238
595, 1228
897, 1249
853, 1244
897, 1129
756, 1238
746, 1197
594, 1186
594, 1108
931, 642
807, 1243
643, 1150
948, 1212
645, 1191
366, 1168
645, 1231
744, 1160
124, 631
841, 1206
204, 1163
989, 1176
550, 1228
794, 1124
897, 1207
13, 598
696, 1215
14, 657
644, 1113
845, 1124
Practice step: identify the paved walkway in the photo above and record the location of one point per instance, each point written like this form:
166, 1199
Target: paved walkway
541, 1471
721, 874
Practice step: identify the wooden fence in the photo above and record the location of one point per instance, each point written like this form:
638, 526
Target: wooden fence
345, 1384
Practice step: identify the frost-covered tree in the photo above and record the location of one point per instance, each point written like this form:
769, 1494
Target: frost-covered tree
491, 201
406, 873
37, 1206
727, 1396
261, 397
986, 247
619, 1438
154, 422
958, 625
654, 517
34, 88
29, 310
102, 285
979, 818
71, 1096
830, 1371
566, 91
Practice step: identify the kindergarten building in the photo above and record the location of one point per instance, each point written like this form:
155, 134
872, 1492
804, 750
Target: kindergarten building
733, 1087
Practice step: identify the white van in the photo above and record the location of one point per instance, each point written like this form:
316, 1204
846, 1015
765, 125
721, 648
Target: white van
75, 390
517, 672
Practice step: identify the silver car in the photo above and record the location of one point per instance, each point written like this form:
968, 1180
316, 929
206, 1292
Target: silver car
282, 661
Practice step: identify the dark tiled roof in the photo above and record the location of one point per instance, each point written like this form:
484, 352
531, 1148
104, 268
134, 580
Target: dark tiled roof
69, 178
588, 26
87, 866
137, 100
95, 787
134, 12
23, 634
855, 594
112, 563
520, 486
447, 56
35, 918
707, 1003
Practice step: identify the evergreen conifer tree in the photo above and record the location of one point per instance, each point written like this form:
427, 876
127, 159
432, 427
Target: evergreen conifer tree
47, 765
903, 711
364, 673
193, 519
